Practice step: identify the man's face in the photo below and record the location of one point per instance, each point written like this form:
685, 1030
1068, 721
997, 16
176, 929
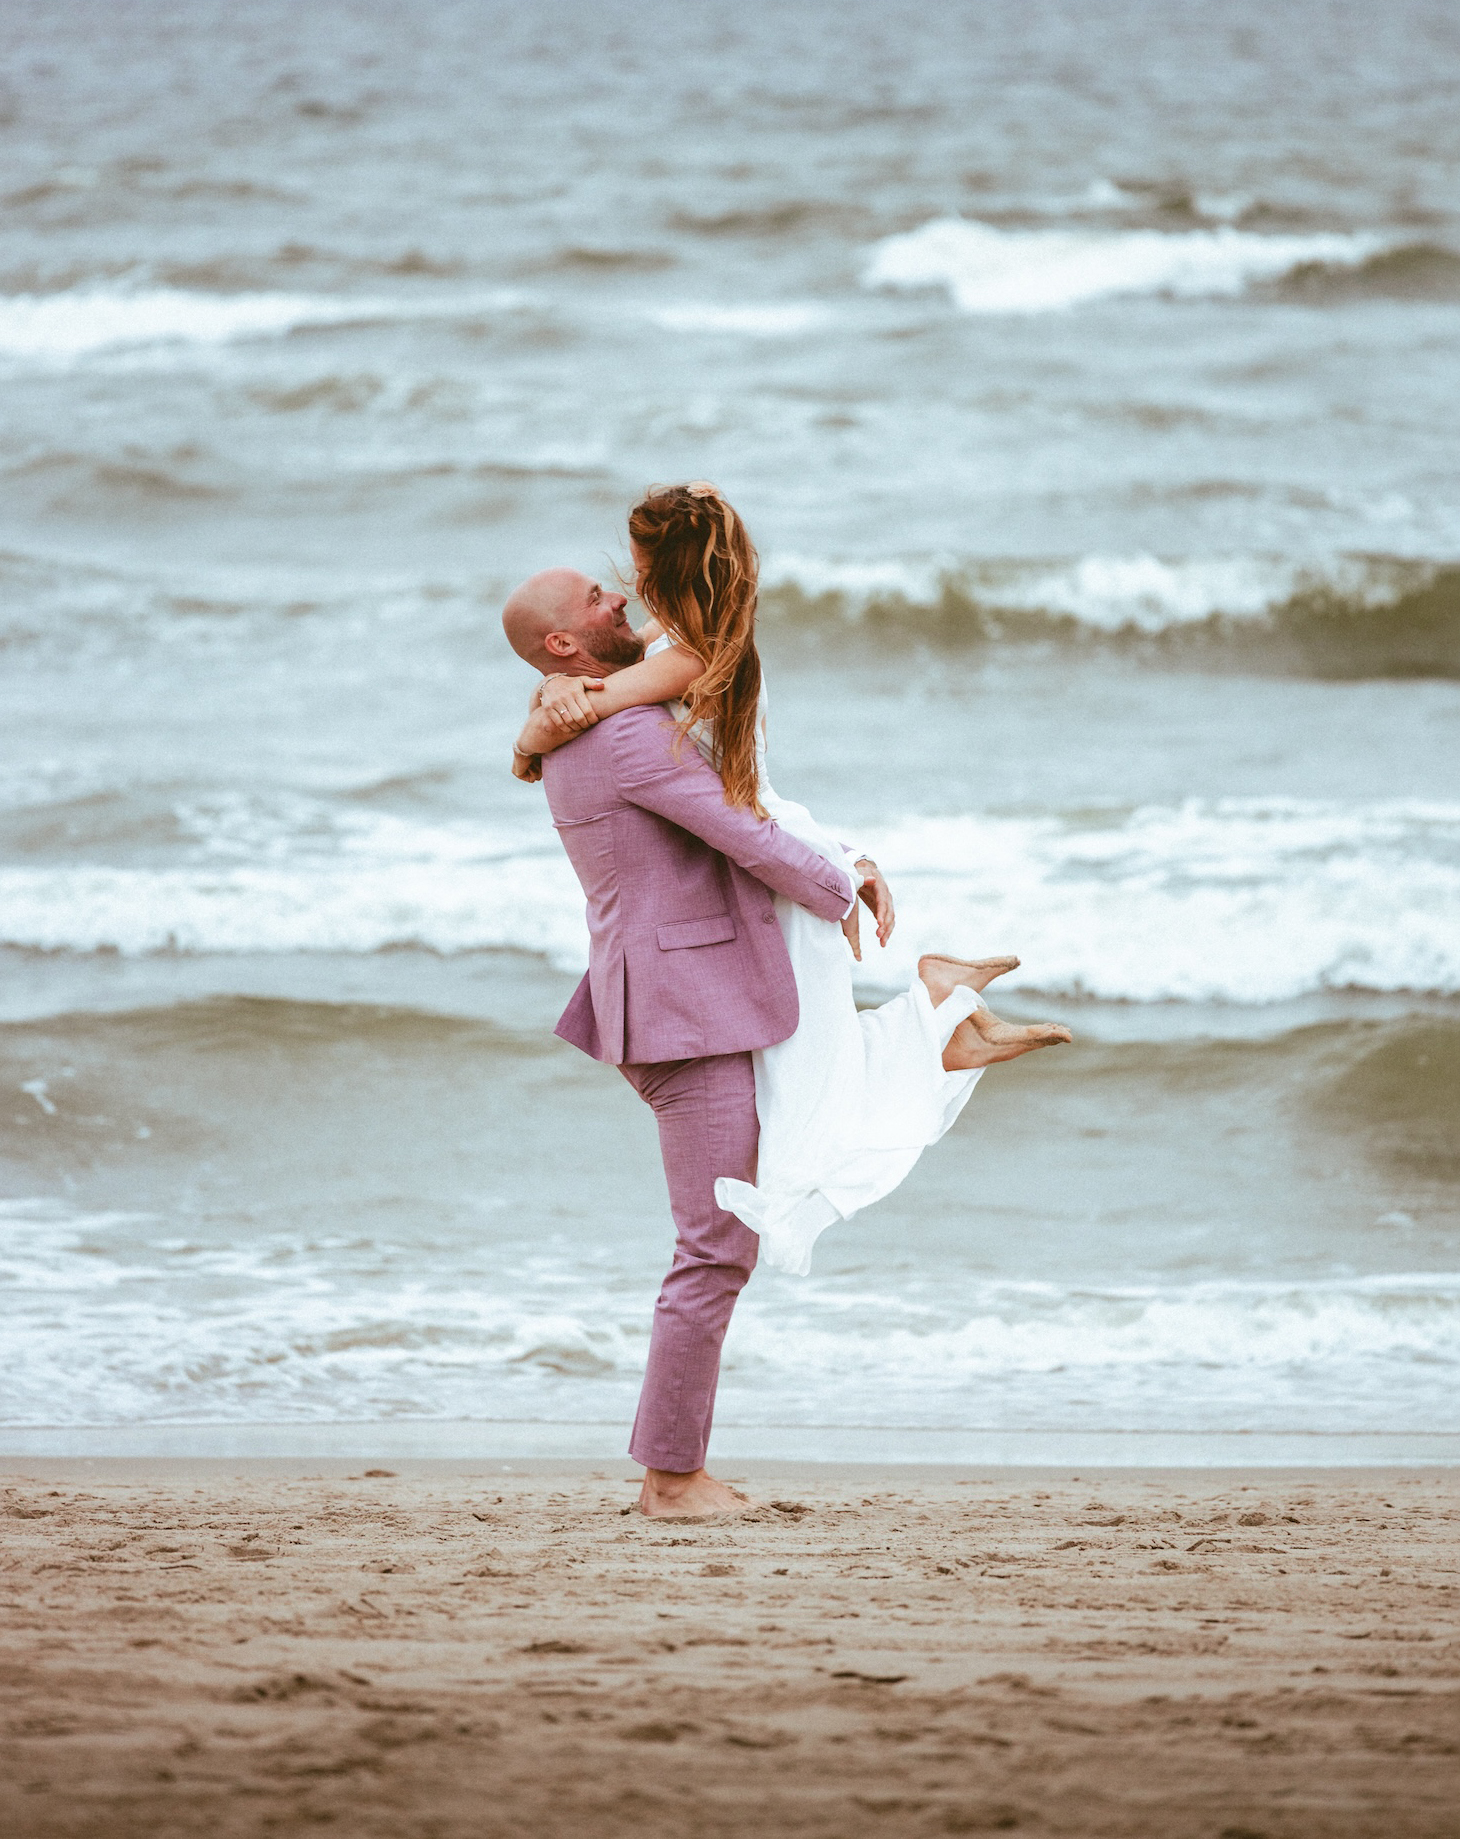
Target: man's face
598, 624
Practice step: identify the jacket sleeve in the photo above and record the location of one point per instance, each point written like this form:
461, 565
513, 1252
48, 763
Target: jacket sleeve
689, 794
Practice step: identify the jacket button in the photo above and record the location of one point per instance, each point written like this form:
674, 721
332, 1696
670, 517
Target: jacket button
767, 919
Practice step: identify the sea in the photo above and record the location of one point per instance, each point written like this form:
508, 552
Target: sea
1087, 374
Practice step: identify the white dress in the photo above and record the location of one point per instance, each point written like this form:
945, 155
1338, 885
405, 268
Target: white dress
850, 1101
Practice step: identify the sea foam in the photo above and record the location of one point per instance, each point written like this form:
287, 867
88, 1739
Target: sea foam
100, 319
80, 321
1108, 593
1346, 616
990, 270
1238, 900
783, 320
115, 1318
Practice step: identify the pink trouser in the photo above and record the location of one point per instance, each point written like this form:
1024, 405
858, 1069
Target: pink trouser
707, 1127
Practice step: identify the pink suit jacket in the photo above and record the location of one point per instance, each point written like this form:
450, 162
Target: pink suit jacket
686, 956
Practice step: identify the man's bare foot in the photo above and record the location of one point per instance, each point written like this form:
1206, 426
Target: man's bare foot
943, 975
667, 1495
981, 1039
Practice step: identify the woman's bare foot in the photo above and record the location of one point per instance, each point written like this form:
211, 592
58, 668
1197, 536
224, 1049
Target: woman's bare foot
667, 1495
943, 975
981, 1039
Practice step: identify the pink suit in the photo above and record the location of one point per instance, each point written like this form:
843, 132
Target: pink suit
687, 974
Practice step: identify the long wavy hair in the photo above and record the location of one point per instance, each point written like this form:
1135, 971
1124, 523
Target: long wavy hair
699, 581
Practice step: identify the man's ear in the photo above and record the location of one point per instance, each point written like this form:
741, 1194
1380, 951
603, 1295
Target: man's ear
560, 644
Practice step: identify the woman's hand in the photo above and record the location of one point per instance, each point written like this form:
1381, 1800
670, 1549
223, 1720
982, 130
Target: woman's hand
540, 734
852, 929
565, 700
878, 896
527, 766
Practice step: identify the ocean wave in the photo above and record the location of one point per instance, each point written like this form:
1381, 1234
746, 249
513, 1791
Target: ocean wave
101, 319
1046, 1327
82, 321
176, 1325
1401, 1096
1164, 202
118, 1317
1106, 593
608, 258
61, 603
1360, 615
1357, 616
1412, 271
245, 274
1239, 900
786, 217
244, 1025
991, 270
99, 1081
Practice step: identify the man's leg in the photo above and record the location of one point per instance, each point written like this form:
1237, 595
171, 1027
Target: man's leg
707, 1128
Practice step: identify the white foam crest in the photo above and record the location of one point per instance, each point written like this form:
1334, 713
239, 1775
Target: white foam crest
87, 320
47, 1248
1011, 1327
100, 319
293, 874
530, 902
1149, 594
1109, 593
783, 320
989, 270
1237, 900
859, 581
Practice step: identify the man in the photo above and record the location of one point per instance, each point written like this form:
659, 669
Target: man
688, 974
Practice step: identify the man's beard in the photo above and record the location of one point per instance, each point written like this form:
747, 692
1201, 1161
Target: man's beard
612, 645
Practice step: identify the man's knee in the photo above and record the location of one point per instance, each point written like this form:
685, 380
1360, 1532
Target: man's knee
705, 1289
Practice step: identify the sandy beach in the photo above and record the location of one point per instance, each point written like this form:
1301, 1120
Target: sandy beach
240, 1647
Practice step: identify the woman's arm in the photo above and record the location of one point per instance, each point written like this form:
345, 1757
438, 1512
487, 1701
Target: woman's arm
571, 704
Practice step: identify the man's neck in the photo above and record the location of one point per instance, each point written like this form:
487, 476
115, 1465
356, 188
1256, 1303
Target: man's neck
582, 667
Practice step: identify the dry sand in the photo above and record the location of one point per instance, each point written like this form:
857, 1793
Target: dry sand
239, 1648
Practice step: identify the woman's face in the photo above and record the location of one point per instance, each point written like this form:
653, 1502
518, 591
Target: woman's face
641, 567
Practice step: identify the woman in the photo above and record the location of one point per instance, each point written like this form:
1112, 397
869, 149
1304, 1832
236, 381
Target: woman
848, 1103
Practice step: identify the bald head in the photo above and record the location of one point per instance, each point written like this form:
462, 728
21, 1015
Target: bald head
561, 620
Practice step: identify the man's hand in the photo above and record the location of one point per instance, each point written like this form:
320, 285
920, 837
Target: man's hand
526, 766
566, 701
878, 896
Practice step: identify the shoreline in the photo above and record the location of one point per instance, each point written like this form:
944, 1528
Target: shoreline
161, 1470
816, 1447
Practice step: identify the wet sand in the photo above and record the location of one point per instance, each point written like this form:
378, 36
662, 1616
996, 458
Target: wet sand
463, 1649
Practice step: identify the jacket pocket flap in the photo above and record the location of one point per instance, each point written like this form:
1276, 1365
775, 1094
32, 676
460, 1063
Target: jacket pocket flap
718, 929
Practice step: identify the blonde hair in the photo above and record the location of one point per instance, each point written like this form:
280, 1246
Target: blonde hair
699, 581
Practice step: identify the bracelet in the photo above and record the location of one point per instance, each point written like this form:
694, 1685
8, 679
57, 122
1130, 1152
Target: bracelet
522, 753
